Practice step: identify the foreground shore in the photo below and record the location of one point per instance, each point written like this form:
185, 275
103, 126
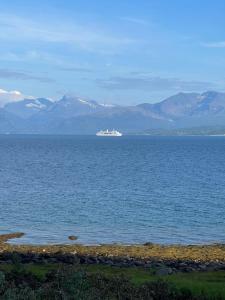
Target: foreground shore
174, 257
142, 272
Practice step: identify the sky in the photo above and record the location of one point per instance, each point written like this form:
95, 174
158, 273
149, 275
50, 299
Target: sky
122, 51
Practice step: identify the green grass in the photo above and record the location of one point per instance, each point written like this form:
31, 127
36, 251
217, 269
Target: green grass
211, 283
137, 275
39, 270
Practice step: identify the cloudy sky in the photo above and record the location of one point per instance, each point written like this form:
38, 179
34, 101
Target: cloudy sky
118, 51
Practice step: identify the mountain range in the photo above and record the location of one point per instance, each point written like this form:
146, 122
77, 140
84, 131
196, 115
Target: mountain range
75, 115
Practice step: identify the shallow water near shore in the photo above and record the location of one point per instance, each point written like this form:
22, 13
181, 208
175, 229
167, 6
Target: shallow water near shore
132, 189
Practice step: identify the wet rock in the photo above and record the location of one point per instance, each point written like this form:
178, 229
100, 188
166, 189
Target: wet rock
8, 236
72, 237
148, 244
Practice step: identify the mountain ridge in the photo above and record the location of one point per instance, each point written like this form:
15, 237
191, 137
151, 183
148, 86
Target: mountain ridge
76, 115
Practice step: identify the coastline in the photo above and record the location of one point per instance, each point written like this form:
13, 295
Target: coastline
175, 257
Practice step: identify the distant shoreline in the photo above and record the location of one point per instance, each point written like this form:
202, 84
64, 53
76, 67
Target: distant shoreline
163, 134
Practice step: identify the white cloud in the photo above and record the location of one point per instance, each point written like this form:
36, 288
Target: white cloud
11, 96
11, 74
14, 28
151, 83
214, 44
135, 20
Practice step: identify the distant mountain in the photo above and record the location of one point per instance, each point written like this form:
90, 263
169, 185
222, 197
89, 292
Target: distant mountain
67, 108
125, 120
189, 105
28, 107
75, 115
9, 123
70, 106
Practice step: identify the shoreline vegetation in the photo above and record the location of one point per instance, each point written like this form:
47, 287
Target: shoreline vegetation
148, 271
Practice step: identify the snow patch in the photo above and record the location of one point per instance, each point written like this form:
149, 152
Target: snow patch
86, 102
10, 96
82, 100
36, 104
107, 105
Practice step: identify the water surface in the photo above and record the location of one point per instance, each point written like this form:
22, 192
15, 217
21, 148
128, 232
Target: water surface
105, 189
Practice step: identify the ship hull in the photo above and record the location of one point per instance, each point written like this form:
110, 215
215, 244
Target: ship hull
102, 134
112, 133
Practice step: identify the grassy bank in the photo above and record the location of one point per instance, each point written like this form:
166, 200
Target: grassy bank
33, 281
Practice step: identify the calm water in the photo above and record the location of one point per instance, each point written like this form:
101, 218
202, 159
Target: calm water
126, 190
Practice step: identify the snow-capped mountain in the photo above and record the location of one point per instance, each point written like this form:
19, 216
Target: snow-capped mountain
76, 115
28, 107
10, 96
71, 106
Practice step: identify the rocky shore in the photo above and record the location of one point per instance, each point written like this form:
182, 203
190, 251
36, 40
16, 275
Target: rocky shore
163, 259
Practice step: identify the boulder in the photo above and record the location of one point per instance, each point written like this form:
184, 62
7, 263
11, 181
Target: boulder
72, 237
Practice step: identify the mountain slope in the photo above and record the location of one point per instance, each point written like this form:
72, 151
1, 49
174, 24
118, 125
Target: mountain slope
185, 105
70, 106
126, 121
9, 123
28, 107
75, 115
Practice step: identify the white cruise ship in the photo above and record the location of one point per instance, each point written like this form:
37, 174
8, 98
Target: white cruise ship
108, 133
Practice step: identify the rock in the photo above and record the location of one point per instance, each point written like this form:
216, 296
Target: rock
72, 237
148, 244
188, 269
68, 259
202, 267
183, 265
164, 271
109, 262
82, 259
214, 266
6, 237
91, 260
158, 265
100, 259
138, 263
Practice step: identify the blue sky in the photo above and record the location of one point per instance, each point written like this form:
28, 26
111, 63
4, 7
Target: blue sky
120, 51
